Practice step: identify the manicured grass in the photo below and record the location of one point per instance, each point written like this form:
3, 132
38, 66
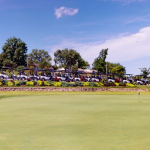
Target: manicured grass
74, 121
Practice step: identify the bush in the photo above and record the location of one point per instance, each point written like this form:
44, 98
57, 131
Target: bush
100, 84
4, 82
17, 83
29, 83
51, 82
86, 84
35, 82
103, 80
112, 84
1, 83
57, 84
22, 82
117, 84
9, 83
130, 85
66, 84
79, 83
106, 84
47, 83
134, 83
93, 84
122, 84
39, 82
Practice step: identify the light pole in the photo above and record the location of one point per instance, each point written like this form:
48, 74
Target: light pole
77, 64
70, 64
106, 72
27, 62
106, 67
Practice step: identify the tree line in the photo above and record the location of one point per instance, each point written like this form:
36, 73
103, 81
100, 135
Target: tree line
14, 54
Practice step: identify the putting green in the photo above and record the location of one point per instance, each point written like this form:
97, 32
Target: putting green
75, 122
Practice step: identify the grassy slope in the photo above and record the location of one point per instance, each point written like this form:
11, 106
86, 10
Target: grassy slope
74, 121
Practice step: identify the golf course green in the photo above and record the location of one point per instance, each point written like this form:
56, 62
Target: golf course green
57, 121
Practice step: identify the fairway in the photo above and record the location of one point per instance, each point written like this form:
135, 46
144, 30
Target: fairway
75, 122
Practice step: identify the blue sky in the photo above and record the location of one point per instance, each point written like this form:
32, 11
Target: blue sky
122, 26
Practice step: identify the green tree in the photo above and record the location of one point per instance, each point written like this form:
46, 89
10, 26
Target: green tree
66, 57
145, 72
40, 57
120, 70
14, 52
112, 65
99, 63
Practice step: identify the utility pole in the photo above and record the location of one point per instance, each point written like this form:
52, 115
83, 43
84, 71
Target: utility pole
70, 64
106, 72
77, 63
106, 67
27, 62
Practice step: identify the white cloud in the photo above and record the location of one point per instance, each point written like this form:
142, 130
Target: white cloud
143, 18
121, 49
65, 11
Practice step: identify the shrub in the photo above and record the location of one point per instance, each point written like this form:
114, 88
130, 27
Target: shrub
112, 84
35, 82
117, 84
72, 84
86, 84
46, 83
1, 83
93, 84
22, 82
130, 85
122, 84
100, 84
51, 82
57, 84
66, 84
29, 83
39, 82
9, 83
79, 83
103, 80
17, 83
134, 83
106, 84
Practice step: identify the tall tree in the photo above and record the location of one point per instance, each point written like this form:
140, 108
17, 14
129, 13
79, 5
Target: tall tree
145, 72
100, 62
112, 65
40, 57
14, 52
120, 70
66, 57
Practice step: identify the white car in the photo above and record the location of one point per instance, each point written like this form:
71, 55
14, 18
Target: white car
126, 81
61, 78
139, 82
95, 80
3, 75
111, 80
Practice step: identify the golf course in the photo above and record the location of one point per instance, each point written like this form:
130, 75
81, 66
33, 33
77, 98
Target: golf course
74, 121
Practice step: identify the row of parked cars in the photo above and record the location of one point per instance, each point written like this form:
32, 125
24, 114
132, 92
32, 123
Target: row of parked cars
43, 76
131, 80
68, 77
